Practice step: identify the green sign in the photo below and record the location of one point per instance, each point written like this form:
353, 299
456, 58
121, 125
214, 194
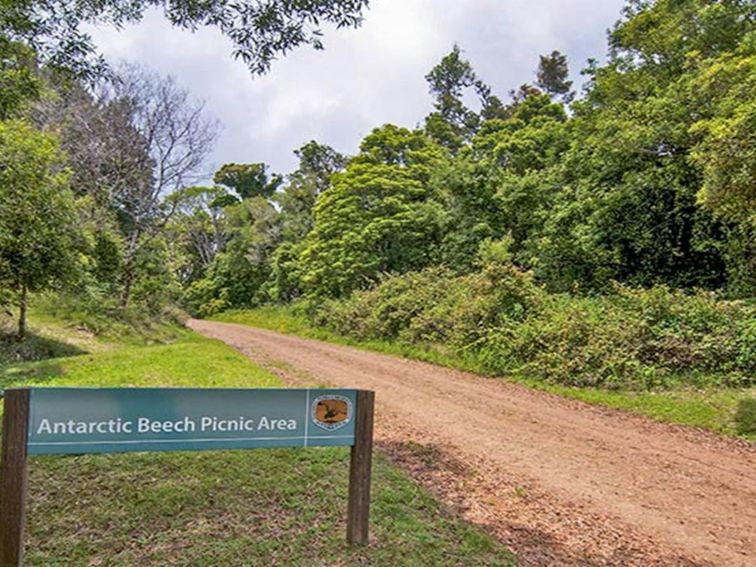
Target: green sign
80, 420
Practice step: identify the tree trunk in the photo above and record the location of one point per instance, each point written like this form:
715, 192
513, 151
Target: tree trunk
128, 280
22, 305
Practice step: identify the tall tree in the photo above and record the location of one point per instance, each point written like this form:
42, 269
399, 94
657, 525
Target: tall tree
248, 179
317, 165
379, 215
19, 80
177, 137
136, 140
319, 162
553, 76
453, 122
38, 228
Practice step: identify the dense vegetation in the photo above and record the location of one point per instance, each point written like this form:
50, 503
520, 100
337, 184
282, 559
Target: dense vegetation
631, 337
645, 179
602, 238
611, 242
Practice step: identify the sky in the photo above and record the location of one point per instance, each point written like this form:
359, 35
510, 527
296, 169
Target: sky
365, 77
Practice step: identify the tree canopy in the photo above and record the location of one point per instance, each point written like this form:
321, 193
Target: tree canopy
259, 30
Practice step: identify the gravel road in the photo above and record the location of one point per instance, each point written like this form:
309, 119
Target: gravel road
561, 482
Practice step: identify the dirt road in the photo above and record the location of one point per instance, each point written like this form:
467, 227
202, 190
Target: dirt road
561, 482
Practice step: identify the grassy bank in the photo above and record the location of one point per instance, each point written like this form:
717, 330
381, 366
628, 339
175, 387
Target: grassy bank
713, 408
269, 507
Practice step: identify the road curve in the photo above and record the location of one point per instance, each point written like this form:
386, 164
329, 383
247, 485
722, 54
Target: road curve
563, 483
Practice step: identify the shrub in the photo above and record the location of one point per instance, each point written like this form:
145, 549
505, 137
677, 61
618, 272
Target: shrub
631, 338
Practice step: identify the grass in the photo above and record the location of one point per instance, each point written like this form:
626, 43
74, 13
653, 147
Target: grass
239, 508
715, 409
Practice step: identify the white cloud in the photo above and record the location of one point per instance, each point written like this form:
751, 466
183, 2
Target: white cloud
365, 77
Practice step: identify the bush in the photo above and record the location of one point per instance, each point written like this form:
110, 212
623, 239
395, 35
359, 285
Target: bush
631, 338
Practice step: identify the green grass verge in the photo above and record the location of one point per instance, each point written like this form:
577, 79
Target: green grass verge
710, 408
267, 507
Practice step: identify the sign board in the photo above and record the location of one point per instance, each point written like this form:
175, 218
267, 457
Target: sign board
63, 420
39, 421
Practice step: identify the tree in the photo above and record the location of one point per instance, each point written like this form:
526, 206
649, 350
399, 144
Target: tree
19, 82
38, 225
132, 142
248, 179
452, 123
726, 146
498, 186
553, 76
238, 275
107, 153
378, 216
174, 138
260, 30
628, 206
317, 164
200, 226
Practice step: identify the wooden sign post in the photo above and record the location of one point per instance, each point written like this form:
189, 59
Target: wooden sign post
13, 477
40, 421
360, 465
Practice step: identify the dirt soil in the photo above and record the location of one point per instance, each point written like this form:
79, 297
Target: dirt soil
559, 481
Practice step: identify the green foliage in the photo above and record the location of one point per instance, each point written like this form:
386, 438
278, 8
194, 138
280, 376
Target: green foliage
248, 180
553, 75
452, 124
286, 282
727, 148
627, 191
317, 164
37, 222
259, 31
108, 258
500, 185
19, 83
38, 226
647, 180
199, 229
155, 285
632, 338
239, 274
745, 417
378, 216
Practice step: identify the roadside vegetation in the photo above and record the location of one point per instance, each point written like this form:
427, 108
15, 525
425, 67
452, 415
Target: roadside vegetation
681, 396
282, 506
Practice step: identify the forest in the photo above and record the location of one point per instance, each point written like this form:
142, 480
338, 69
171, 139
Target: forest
605, 237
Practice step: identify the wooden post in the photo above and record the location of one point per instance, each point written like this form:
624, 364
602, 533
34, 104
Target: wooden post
358, 509
13, 477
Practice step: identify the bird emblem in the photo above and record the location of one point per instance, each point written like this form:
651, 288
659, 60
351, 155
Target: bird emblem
331, 412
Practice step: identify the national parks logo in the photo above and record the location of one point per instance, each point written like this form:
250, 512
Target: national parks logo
331, 412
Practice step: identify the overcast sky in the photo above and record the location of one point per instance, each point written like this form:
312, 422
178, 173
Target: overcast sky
365, 77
